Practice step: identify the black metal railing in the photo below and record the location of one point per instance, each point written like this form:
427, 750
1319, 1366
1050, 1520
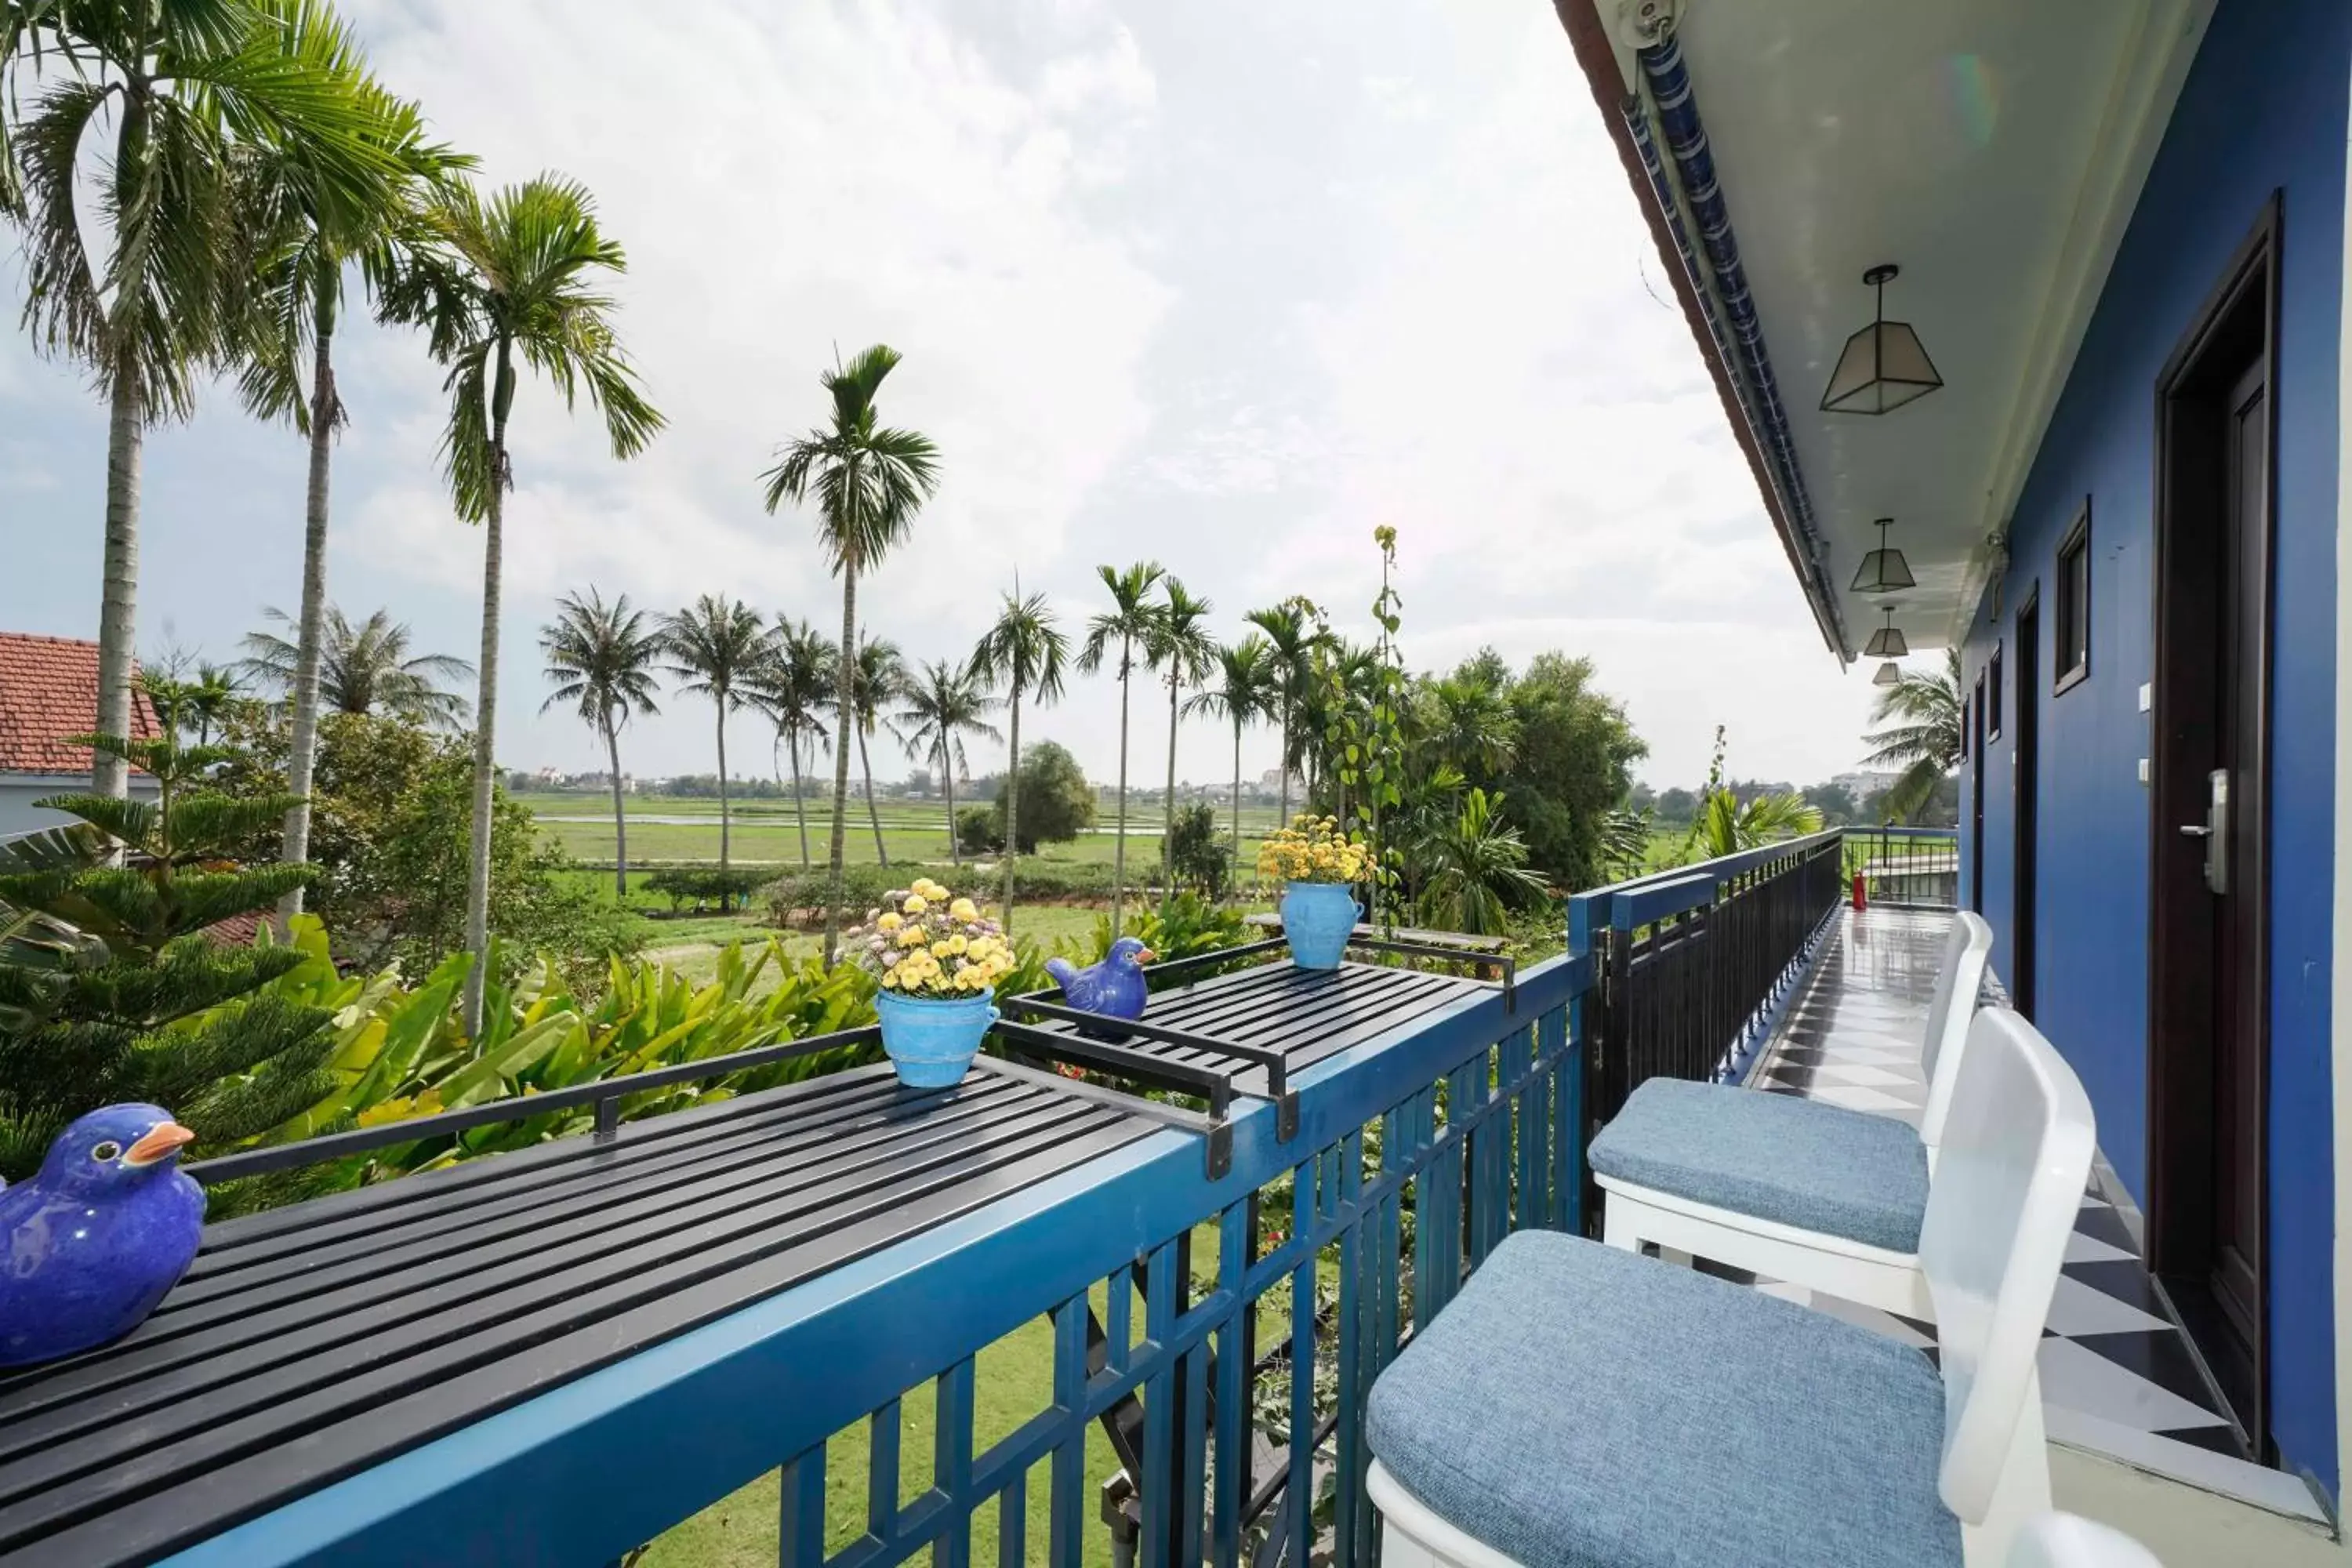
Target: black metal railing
1907, 868
1690, 963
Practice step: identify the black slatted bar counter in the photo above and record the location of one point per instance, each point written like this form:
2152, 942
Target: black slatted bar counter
312, 1342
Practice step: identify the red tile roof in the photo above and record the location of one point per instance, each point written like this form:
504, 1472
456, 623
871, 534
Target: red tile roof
49, 690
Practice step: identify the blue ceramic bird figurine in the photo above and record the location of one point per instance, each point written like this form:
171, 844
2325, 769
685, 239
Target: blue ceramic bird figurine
1116, 986
97, 1238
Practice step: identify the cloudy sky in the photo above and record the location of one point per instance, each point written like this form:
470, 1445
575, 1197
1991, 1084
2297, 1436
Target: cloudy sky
1224, 284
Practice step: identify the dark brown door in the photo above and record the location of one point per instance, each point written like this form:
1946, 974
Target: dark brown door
2208, 867
2235, 842
1976, 800
2025, 756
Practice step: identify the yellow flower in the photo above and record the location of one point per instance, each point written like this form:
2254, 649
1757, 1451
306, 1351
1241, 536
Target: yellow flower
916, 904
962, 910
890, 978
889, 922
914, 936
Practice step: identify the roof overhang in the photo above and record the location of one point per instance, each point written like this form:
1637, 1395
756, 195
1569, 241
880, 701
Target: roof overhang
1993, 149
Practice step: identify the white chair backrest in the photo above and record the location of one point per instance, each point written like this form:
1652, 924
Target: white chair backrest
1966, 951
2009, 1184
2070, 1540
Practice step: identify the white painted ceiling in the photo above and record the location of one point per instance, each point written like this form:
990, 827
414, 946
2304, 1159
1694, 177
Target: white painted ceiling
1992, 149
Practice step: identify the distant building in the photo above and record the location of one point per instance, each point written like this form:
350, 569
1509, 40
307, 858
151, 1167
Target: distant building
49, 690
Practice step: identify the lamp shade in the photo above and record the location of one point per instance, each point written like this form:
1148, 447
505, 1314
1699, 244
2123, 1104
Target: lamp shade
1882, 366
1887, 641
1888, 675
1884, 570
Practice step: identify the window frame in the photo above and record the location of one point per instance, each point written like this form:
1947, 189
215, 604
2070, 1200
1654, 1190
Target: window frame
1994, 694
2075, 546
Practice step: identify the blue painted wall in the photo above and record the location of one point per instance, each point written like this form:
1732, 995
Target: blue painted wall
2263, 110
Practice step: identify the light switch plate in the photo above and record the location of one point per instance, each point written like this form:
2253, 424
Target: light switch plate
2146, 696
2143, 770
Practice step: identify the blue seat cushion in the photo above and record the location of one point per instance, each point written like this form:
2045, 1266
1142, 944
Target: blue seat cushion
1581, 1406
1817, 1167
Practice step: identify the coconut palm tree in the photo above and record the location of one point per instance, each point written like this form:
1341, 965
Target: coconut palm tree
316, 234
718, 646
1024, 651
869, 479
509, 278
1128, 622
1290, 640
1180, 647
1473, 864
943, 705
165, 108
601, 657
1925, 740
365, 668
794, 688
1248, 688
1469, 723
879, 679
215, 691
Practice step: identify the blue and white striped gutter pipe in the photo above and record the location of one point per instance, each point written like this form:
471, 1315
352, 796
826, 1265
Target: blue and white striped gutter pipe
1738, 334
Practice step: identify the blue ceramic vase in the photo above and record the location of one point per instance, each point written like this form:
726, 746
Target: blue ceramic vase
1318, 918
931, 1043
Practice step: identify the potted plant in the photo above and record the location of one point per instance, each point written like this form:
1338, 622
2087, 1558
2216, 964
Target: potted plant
938, 961
1320, 866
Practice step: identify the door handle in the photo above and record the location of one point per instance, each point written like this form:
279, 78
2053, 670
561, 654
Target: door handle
2196, 830
2216, 831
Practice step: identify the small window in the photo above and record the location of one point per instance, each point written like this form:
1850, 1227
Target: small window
1967, 708
2073, 660
1980, 726
1992, 696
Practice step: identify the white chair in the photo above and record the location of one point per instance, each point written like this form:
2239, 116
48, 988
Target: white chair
2070, 1540
1575, 1403
1798, 1190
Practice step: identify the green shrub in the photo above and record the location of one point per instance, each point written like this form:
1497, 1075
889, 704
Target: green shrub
1202, 855
730, 889
980, 830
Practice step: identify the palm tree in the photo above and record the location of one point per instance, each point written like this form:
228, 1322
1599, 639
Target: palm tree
1290, 640
1470, 723
500, 279
165, 108
211, 695
1129, 621
601, 657
1473, 863
1180, 645
1926, 742
718, 648
316, 234
880, 678
365, 668
943, 705
868, 479
1025, 651
1248, 689
794, 689
1727, 825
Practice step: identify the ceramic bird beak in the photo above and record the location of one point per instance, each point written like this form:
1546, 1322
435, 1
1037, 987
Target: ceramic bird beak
1145, 955
158, 1143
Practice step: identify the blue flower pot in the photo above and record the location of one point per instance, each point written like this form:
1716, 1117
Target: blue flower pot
931, 1043
1318, 918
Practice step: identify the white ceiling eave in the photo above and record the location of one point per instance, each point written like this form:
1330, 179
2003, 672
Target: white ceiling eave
1834, 151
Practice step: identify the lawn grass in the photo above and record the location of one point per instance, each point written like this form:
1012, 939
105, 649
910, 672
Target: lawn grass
764, 832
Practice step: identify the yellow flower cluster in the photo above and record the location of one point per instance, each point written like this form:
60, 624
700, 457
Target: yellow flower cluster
1313, 849
929, 943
